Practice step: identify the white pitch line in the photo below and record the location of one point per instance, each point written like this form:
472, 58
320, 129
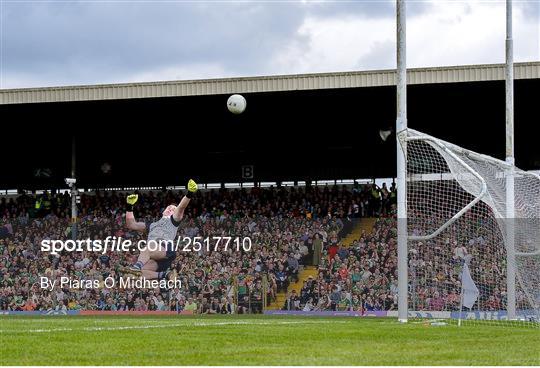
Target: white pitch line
196, 324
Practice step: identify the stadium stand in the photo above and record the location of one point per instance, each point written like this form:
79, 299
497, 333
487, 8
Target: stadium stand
280, 222
314, 249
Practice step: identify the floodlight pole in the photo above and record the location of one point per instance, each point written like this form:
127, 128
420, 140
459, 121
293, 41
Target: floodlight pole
510, 212
401, 126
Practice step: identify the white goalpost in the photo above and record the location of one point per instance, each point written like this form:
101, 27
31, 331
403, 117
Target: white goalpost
468, 224
401, 126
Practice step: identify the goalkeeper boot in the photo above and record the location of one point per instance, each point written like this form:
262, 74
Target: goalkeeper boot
135, 270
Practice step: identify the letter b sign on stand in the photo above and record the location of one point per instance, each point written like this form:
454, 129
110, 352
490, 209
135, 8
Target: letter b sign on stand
247, 172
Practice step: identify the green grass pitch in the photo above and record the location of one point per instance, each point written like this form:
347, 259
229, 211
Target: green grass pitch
258, 340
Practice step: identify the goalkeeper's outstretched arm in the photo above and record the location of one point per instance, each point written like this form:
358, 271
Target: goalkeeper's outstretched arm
192, 187
131, 223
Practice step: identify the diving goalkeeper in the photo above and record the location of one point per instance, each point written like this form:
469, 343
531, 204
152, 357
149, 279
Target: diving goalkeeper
155, 264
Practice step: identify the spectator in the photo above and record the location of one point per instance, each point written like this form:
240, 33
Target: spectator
292, 267
317, 249
191, 306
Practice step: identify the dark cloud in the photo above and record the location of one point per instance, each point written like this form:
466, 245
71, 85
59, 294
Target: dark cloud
78, 42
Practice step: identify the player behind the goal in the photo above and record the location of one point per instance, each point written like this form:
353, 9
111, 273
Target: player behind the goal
155, 264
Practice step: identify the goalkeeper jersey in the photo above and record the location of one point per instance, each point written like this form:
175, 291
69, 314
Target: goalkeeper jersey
163, 229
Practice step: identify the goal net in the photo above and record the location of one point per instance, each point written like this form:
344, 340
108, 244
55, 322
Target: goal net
463, 250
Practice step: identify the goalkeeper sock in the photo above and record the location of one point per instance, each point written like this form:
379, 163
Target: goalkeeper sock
163, 274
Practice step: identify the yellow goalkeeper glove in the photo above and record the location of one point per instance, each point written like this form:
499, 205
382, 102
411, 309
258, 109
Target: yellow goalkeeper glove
131, 200
192, 187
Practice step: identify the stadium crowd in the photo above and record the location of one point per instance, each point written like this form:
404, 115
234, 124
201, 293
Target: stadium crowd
279, 221
289, 229
362, 277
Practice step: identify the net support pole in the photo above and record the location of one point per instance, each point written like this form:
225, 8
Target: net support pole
461, 303
401, 126
510, 212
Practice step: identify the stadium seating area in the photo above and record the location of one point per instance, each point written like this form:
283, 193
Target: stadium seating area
278, 221
305, 250
314, 249
295, 231
359, 277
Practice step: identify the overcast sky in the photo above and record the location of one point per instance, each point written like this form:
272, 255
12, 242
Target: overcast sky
50, 43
